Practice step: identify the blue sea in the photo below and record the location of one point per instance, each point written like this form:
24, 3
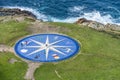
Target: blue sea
103, 11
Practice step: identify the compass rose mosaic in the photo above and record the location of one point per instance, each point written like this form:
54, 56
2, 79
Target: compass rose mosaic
46, 47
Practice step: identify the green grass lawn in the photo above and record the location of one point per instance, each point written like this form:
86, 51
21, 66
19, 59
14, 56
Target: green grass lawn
12, 30
99, 58
10, 71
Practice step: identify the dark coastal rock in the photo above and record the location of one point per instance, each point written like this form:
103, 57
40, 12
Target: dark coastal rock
97, 25
12, 12
82, 20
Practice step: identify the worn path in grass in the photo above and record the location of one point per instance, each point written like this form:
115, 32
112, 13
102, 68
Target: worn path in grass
5, 48
40, 27
37, 27
31, 65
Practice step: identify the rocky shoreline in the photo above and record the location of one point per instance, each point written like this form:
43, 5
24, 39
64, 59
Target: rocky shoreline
81, 21
97, 25
16, 11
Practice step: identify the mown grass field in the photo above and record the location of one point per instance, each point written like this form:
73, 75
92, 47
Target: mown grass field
10, 71
12, 30
99, 58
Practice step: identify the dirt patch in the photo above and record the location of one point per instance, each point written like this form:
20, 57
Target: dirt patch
5, 48
12, 60
40, 27
32, 66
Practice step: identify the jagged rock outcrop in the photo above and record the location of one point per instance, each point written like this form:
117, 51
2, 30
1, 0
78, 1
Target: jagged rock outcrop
97, 25
112, 27
12, 12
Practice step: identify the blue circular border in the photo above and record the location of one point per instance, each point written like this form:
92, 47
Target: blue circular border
19, 54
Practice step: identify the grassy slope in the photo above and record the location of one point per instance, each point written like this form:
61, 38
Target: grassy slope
9, 71
99, 58
9, 32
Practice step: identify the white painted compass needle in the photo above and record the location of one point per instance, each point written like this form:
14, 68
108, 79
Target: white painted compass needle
37, 42
32, 46
47, 52
57, 51
36, 51
57, 42
61, 46
47, 40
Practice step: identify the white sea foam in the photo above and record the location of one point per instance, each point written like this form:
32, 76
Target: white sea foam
67, 20
94, 16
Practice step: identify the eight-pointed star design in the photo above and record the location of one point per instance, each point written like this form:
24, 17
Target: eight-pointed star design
47, 47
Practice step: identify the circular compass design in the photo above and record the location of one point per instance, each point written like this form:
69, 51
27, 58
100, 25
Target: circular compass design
46, 47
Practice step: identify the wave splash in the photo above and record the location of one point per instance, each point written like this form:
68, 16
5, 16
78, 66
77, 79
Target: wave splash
94, 16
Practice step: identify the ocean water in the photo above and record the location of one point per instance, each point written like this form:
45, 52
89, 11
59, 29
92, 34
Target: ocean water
103, 11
